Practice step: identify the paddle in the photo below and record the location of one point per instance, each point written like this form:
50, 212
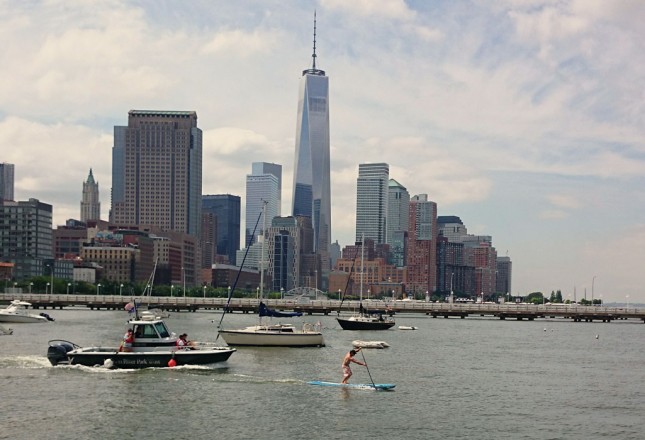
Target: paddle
368, 370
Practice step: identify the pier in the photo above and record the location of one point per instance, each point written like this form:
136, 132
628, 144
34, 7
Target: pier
529, 312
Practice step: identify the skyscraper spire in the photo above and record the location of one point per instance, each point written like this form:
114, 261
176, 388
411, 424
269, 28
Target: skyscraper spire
313, 56
314, 70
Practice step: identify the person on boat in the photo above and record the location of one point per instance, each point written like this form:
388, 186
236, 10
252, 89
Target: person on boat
183, 343
349, 358
128, 340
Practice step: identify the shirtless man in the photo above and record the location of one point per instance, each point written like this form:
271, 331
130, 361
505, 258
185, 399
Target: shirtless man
349, 358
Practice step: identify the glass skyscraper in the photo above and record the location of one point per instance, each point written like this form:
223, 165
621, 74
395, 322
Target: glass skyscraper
372, 201
264, 184
226, 208
311, 183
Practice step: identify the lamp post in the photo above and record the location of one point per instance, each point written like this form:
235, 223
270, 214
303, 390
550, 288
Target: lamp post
229, 291
368, 294
452, 295
204, 291
281, 292
68, 284
183, 272
31, 285
338, 294
47, 288
257, 292
592, 283
171, 289
98, 289
427, 296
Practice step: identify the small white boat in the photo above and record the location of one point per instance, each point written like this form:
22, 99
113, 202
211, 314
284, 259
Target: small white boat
18, 312
5, 331
408, 327
370, 344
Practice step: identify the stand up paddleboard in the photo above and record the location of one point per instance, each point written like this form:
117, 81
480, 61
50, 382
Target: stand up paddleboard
360, 386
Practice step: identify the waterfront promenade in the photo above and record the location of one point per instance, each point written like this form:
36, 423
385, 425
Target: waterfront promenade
576, 313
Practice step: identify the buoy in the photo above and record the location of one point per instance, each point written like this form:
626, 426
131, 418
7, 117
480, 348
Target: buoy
597, 336
544, 329
172, 363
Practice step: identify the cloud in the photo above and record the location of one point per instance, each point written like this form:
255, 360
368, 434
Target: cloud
386, 9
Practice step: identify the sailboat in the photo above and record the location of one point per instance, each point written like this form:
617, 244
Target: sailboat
364, 319
269, 334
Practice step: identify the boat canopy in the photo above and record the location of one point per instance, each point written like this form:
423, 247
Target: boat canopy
265, 311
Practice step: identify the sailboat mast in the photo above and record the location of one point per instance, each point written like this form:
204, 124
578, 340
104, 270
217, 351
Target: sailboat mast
264, 238
362, 265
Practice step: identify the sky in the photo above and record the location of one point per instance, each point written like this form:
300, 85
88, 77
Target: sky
524, 118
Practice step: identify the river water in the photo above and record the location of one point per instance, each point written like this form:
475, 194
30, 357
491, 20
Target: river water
455, 379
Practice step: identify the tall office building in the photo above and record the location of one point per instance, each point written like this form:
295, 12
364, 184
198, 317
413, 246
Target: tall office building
26, 236
264, 184
398, 207
372, 201
504, 275
311, 182
90, 203
422, 245
157, 171
226, 208
6, 181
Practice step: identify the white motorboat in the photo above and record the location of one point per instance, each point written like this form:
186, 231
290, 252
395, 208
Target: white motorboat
275, 335
370, 344
407, 327
18, 312
153, 346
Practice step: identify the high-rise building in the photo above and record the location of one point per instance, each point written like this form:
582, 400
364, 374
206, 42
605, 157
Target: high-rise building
372, 201
90, 203
6, 181
311, 182
226, 208
504, 272
422, 245
157, 171
264, 184
398, 208
451, 227
26, 236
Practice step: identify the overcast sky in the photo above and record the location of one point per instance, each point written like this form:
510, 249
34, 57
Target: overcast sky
524, 118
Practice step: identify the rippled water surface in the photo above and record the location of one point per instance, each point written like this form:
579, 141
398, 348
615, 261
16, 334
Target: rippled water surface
455, 379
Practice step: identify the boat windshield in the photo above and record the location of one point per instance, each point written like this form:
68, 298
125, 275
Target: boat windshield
152, 330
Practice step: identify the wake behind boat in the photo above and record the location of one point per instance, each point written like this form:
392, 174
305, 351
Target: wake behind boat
274, 335
18, 312
153, 346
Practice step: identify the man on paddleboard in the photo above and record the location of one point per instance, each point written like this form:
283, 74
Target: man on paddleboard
349, 358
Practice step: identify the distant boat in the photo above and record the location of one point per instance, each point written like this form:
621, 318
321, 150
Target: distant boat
407, 327
18, 312
5, 331
364, 320
370, 344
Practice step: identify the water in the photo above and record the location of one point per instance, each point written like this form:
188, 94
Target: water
455, 379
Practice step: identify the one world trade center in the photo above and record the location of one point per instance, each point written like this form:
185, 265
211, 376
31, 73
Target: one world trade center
311, 183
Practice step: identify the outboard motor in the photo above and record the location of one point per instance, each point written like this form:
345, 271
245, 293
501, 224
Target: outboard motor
45, 315
57, 352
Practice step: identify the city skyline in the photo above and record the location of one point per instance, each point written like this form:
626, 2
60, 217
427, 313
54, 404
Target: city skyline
525, 120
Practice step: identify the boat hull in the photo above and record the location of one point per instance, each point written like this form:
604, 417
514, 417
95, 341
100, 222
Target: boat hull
97, 356
358, 324
24, 319
360, 386
251, 338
